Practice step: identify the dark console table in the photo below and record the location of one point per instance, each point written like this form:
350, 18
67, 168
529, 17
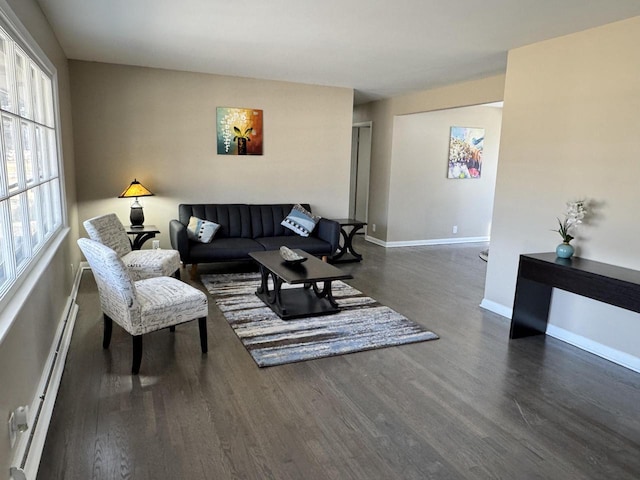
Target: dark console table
539, 273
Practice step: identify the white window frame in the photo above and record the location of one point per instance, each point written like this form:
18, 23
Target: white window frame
47, 174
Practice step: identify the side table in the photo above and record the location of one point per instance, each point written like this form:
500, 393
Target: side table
347, 241
142, 234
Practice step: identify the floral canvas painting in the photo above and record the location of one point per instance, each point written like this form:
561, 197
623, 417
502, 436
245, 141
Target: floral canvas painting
465, 152
239, 131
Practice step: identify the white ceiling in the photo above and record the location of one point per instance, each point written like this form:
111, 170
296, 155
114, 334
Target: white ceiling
381, 48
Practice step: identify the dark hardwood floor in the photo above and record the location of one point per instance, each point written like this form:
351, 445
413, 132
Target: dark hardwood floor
471, 405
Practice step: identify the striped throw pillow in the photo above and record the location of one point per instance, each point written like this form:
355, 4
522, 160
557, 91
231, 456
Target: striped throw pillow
301, 221
201, 230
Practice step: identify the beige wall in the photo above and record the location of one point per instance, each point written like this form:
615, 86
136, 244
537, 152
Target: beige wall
424, 204
382, 114
160, 127
570, 129
24, 351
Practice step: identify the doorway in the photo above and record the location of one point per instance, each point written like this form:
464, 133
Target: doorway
360, 171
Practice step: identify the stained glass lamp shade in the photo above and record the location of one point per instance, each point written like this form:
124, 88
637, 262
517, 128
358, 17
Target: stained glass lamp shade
135, 190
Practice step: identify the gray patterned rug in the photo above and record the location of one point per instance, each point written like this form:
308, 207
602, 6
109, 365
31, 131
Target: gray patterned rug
362, 324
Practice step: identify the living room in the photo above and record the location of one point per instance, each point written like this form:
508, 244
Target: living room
569, 130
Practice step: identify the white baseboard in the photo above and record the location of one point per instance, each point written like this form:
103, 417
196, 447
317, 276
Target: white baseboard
31, 443
420, 243
591, 346
375, 240
616, 356
496, 307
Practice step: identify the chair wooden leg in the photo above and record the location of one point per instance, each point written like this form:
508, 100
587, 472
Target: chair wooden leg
176, 274
137, 354
108, 327
194, 271
202, 323
172, 328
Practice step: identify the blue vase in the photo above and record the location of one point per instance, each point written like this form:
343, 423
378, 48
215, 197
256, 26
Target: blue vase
564, 250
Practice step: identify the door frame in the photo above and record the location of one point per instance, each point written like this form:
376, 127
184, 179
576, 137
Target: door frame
353, 187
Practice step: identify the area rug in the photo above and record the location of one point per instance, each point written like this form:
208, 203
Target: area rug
362, 324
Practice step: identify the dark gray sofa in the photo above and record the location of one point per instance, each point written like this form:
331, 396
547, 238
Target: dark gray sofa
244, 229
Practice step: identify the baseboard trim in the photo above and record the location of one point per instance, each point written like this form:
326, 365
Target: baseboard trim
421, 243
30, 447
591, 346
496, 307
375, 240
616, 356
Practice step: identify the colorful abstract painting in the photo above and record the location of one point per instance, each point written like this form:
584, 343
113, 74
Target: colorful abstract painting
239, 131
465, 152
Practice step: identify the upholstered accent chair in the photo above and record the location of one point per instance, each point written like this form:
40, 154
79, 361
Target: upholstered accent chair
108, 230
141, 306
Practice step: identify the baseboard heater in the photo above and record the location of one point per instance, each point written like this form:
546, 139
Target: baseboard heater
29, 447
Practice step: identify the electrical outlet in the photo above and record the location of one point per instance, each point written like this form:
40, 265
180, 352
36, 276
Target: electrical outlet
18, 422
455, 229
373, 227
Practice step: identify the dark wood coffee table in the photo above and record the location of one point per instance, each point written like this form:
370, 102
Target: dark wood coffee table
291, 303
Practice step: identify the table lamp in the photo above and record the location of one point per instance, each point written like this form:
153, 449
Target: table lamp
136, 189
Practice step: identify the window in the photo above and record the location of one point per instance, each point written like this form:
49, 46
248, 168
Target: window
30, 193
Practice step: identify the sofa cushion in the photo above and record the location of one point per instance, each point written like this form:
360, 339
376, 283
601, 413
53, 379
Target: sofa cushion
311, 245
300, 220
223, 249
266, 220
201, 230
234, 219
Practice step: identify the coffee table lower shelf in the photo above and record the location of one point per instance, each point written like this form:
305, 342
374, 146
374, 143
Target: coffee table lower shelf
290, 303
310, 294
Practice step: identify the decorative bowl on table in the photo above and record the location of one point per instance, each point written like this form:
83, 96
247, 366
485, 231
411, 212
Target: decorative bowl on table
290, 256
